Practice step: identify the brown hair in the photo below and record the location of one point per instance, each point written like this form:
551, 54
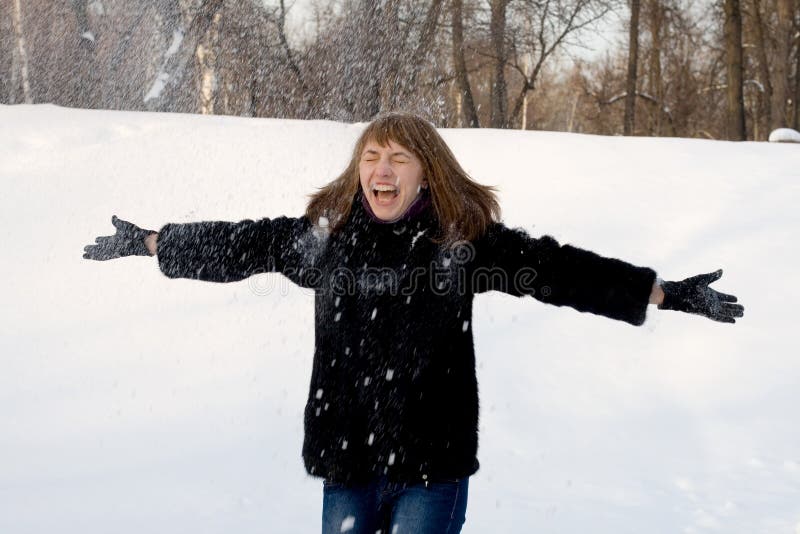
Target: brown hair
464, 207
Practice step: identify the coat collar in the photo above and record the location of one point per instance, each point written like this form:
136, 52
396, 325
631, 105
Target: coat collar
419, 216
414, 210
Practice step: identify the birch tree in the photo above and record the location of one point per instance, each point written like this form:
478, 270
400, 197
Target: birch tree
20, 81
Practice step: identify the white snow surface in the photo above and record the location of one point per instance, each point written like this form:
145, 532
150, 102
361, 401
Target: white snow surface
134, 403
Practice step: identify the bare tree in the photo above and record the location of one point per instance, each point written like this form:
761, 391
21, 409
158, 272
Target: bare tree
733, 48
467, 104
250, 68
552, 24
683, 69
796, 121
656, 10
499, 92
280, 23
85, 74
170, 91
19, 62
759, 30
633, 61
6, 53
352, 67
786, 10
757, 22
355, 58
406, 86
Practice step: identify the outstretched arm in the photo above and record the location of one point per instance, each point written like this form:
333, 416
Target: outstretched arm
564, 275
215, 251
218, 251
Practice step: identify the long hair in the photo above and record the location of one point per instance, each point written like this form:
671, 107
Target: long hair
463, 207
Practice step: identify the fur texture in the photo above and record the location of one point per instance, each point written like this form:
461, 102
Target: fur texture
393, 388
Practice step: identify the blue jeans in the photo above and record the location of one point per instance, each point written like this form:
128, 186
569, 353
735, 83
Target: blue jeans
395, 507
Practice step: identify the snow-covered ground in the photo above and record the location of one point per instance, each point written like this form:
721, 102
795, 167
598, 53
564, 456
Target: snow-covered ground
132, 403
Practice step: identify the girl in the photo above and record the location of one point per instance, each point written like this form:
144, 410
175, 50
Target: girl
395, 249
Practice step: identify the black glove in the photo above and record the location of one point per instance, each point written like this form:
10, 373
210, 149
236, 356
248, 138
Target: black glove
694, 296
128, 241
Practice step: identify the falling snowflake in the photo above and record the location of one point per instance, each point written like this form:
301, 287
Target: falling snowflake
348, 523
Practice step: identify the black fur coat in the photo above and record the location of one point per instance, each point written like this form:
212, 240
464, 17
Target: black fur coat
393, 388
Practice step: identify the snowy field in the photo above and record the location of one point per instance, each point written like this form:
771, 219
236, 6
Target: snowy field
131, 403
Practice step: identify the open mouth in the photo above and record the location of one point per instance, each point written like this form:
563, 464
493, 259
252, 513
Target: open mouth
385, 193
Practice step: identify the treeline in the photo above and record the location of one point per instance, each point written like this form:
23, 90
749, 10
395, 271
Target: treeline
723, 69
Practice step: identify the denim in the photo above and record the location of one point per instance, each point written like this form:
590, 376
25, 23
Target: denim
385, 507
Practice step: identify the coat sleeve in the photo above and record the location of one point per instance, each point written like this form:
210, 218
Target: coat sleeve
228, 252
512, 261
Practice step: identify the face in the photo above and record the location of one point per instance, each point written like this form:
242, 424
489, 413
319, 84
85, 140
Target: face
391, 178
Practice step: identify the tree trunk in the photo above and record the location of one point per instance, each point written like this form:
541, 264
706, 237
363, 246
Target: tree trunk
633, 60
87, 82
173, 20
402, 67
424, 46
177, 94
733, 48
293, 65
365, 66
781, 68
765, 107
796, 121
655, 76
470, 114
499, 93
21, 56
6, 54
206, 66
